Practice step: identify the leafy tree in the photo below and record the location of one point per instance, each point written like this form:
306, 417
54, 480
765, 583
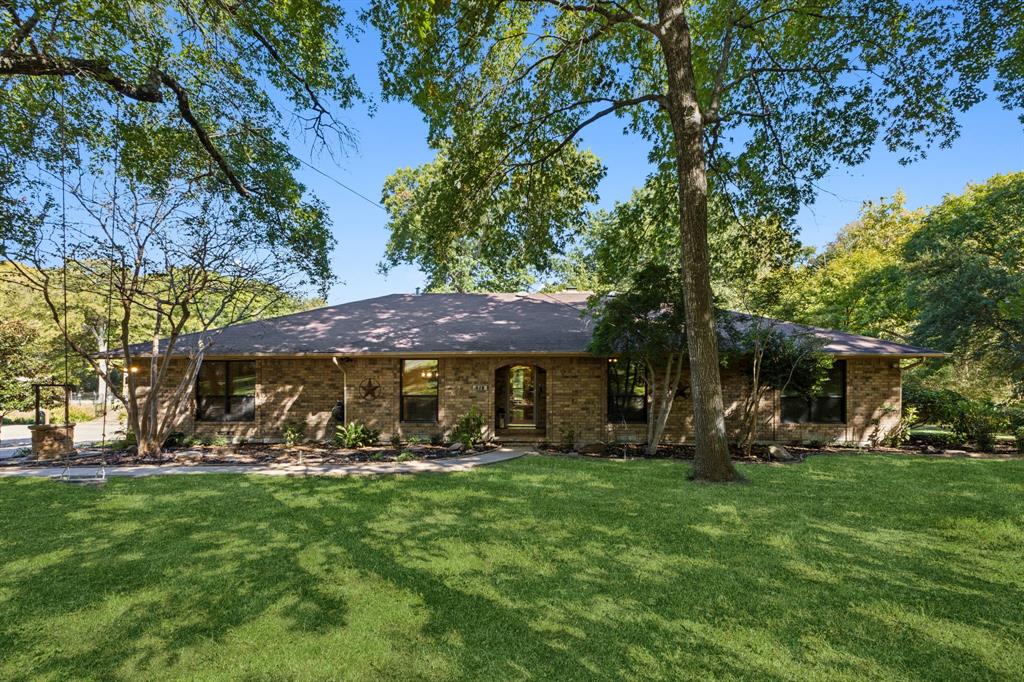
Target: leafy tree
92, 314
749, 257
756, 99
775, 361
21, 365
466, 235
646, 324
967, 274
858, 283
173, 261
176, 91
994, 44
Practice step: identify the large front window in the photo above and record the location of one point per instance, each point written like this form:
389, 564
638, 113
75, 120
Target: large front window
419, 390
226, 391
627, 392
827, 406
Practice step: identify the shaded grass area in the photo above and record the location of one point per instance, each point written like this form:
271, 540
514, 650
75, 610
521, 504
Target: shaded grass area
864, 567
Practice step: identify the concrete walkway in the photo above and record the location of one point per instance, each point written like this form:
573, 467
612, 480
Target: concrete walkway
450, 464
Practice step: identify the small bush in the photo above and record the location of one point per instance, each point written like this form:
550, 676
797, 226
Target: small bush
938, 439
217, 441
396, 440
1018, 438
406, 456
355, 435
175, 439
900, 434
293, 433
468, 429
436, 439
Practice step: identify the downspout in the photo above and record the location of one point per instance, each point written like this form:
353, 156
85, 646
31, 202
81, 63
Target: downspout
344, 382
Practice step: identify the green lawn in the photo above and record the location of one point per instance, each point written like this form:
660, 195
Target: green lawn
840, 568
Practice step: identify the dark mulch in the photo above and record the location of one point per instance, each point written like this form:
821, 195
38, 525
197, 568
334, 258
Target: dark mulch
760, 452
252, 453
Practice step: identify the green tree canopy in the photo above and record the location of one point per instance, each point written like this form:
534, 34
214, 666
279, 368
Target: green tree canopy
473, 233
858, 282
182, 91
967, 274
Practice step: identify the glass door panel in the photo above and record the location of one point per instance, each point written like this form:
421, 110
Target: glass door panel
522, 396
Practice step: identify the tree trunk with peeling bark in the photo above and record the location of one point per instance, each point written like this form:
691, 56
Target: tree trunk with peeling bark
711, 461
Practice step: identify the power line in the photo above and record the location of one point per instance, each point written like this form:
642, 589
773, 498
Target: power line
338, 182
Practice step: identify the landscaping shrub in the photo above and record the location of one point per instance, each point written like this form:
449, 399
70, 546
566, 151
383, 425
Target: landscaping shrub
175, 439
355, 435
972, 420
979, 422
396, 440
406, 456
900, 434
1018, 438
218, 441
938, 439
468, 429
293, 433
127, 442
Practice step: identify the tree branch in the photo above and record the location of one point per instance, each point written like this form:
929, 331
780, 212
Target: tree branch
619, 15
204, 137
615, 106
20, 64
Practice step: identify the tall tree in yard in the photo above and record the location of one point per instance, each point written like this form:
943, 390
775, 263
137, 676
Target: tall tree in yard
751, 100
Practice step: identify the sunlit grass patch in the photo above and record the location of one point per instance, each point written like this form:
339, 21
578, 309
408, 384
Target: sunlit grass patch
542, 568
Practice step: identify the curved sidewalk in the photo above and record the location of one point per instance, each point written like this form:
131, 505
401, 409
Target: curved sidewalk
449, 464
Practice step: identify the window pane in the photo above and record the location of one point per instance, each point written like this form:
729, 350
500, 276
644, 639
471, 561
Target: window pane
211, 409
419, 408
243, 408
834, 385
827, 410
243, 378
795, 409
211, 379
419, 377
627, 393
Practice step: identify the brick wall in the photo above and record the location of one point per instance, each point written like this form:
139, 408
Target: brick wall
306, 390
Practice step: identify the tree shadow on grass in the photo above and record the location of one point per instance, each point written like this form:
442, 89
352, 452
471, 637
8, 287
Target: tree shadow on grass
541, 568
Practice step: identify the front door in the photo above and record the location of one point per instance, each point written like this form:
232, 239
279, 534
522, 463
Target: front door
522, 396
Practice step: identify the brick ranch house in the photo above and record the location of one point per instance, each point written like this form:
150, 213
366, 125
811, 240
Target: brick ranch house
413, 364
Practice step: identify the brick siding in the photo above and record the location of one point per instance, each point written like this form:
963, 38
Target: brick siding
306, 390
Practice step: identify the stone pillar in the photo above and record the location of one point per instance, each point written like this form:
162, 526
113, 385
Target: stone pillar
52, 441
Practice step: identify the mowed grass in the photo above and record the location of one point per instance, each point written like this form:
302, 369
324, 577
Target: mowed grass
858, 567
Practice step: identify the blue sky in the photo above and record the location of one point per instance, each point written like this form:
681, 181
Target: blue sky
992, 141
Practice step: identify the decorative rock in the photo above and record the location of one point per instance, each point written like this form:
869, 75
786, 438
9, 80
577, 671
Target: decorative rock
456, 447
780, 453
930, 450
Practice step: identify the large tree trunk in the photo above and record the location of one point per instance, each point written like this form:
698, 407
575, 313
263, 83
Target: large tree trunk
711, 461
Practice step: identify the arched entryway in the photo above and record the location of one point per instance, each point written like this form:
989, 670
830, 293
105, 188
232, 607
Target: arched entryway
520, 400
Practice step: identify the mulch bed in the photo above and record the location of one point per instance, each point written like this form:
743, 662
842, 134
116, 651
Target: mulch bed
251, 453
760, 452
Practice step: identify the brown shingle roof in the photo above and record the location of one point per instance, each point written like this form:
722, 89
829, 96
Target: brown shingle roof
457, 323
